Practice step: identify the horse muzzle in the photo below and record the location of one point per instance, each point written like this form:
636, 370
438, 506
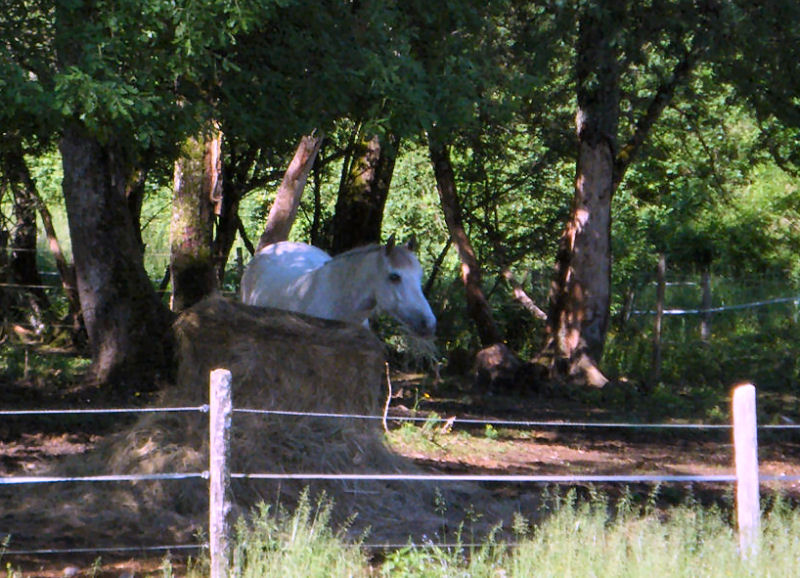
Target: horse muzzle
424, 326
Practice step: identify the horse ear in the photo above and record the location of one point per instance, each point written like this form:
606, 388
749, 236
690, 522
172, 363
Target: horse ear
390, 244
412, 244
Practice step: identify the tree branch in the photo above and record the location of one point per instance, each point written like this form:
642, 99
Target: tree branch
521, 296
661, 99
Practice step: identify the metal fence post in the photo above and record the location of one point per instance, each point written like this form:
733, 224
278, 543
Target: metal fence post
748, 509
219, 476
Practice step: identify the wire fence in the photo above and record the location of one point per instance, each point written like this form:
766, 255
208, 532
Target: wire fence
723, 308
310, 476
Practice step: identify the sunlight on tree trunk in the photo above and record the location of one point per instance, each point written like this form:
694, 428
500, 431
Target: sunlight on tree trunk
661, 286
195, 195
580, 295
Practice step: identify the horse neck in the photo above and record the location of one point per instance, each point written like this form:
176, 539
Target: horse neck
349, 283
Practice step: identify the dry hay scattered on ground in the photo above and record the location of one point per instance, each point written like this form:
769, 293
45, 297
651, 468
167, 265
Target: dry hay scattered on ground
279, 361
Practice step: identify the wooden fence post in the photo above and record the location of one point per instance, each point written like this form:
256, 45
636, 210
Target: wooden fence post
661, 279
705, 318
219, 475
748, 509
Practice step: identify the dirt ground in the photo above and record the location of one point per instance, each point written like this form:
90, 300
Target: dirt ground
29, 445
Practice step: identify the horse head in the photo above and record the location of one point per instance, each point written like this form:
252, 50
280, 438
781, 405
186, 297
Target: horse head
399, 288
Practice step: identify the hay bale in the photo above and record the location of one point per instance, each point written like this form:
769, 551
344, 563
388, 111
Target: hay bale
279, 361
284, 361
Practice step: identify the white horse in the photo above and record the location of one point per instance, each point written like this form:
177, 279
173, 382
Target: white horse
349, 287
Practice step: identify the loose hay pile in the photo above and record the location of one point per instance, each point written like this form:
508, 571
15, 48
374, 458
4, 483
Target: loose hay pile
283, 361
279, 361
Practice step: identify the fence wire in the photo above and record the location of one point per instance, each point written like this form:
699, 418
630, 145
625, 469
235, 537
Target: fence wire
100, 411
394, 477
104, 550
505, 422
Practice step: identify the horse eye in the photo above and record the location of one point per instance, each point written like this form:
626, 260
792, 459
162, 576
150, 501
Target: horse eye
394, 277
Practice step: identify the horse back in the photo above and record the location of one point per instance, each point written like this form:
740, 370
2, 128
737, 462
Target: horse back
275, 268
292, 256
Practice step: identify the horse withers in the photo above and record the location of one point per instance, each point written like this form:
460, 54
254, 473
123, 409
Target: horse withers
349, 287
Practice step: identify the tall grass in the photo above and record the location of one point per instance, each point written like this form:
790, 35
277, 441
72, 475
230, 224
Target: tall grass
302, 544
576, 538
584, 539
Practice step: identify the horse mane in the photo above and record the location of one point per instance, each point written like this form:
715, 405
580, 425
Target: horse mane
356, 251
364, 249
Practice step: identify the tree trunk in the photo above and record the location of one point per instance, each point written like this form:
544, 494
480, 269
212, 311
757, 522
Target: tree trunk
134, 193
191, 231
477, 306
226, 206
17, 172
127, 325
316, 219
24, 233
66, 270
436, 268
284, 209
363, 192
579, 298
228, 223
580, 295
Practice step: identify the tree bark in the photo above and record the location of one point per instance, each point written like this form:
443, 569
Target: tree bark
287, 200
191, 231
580, 295
24, 233
522, 297
227, 198
228, 223
363, 192
134, 193
66, 270
477, 306
127, 325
